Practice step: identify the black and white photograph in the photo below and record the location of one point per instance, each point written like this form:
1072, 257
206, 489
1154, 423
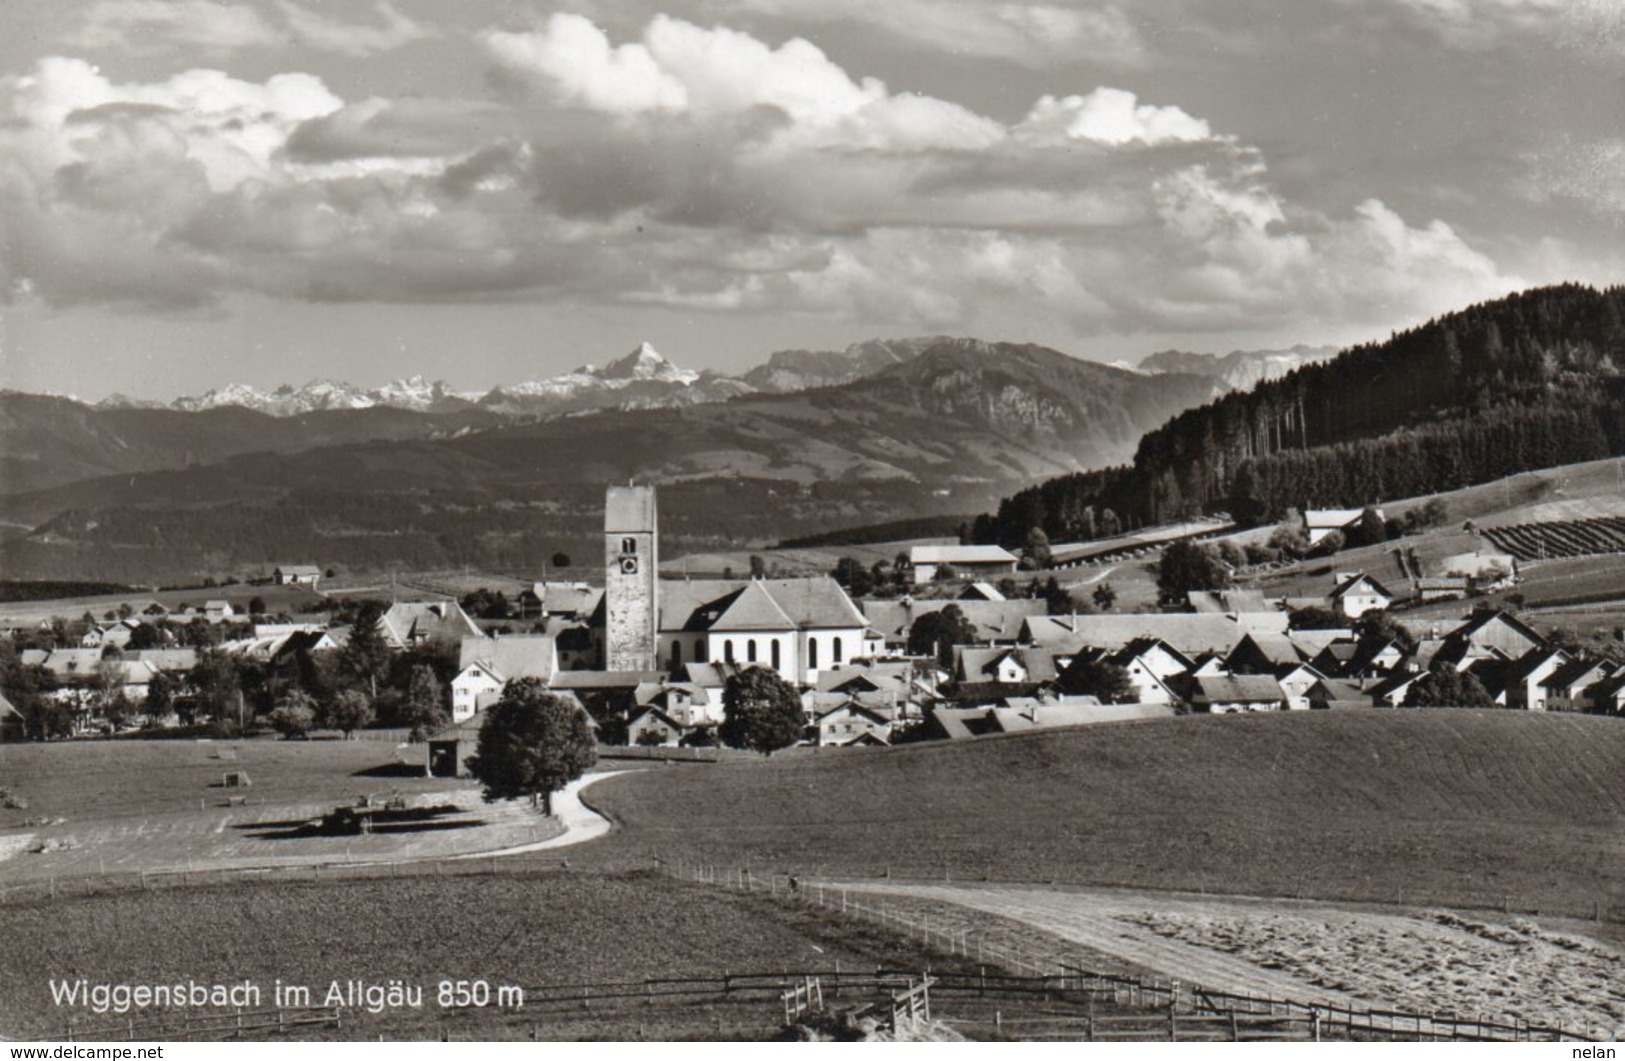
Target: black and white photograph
811, 521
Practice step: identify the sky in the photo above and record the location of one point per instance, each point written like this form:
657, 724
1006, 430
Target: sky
201, 192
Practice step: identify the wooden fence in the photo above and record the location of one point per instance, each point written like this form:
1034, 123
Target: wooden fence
185, 1025
1202, 1009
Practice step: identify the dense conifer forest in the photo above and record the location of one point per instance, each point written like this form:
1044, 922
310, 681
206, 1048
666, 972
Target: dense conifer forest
1530, 381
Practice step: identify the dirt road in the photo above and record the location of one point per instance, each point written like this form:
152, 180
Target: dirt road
1421, 961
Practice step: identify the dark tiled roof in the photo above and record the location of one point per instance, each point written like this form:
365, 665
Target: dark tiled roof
1239, 689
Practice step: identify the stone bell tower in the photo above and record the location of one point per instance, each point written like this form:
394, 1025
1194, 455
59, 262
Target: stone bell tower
631, 579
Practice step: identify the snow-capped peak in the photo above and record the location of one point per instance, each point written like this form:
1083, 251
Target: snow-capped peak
646, 363
416, 392
243, 394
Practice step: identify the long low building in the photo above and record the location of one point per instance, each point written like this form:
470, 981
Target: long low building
977, 561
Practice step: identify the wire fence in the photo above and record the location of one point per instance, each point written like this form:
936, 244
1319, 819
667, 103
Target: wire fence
1601, 906
1197, 1006
995, 984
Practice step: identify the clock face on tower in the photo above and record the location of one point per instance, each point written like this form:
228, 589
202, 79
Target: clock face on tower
629, 565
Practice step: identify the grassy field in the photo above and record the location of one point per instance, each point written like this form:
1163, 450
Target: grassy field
1449, 807
81, 780
525, 930
291, 599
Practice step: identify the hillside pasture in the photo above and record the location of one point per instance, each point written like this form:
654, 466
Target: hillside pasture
529, 930
1458, 808
294, 600
102, 780
135, 807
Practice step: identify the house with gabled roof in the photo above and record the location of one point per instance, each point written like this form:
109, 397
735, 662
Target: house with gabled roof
565, 600
652, 727
1393, 690
1237, 693
1296, 681
1320, 522
487, 664
1607, 697
1526, 677
1152, 665
408, 623
852, 723
995, 622
1259, 653
1375, 657
1336, 660
297, 575
1192, 635
1332, 694
976, 561
1565, 688
1003, 666
1500, 630
1356, 593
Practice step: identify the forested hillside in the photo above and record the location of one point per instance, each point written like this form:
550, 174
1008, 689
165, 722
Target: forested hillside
1529, 381
946, 432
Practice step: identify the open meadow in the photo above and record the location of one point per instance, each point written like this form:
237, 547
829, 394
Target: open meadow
534, 931
96, 807
1457, 808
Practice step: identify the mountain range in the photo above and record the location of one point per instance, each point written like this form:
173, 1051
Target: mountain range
945, 426
1240, 369
644, 378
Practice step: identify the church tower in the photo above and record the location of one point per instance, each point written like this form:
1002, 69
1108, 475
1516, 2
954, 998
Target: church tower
631, 579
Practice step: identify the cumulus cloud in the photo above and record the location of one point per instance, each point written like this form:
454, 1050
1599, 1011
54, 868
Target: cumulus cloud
680, 68
582, 67
155, 25
694, 167
1111, 116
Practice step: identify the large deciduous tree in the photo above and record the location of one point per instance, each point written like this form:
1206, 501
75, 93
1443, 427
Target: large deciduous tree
1445, 686
760, 711
294, 715
936, 633
1187, 566
533, 743
423, 708
348, 711
1108, 682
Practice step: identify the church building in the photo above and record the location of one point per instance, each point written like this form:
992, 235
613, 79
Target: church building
631, 579
798, 627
